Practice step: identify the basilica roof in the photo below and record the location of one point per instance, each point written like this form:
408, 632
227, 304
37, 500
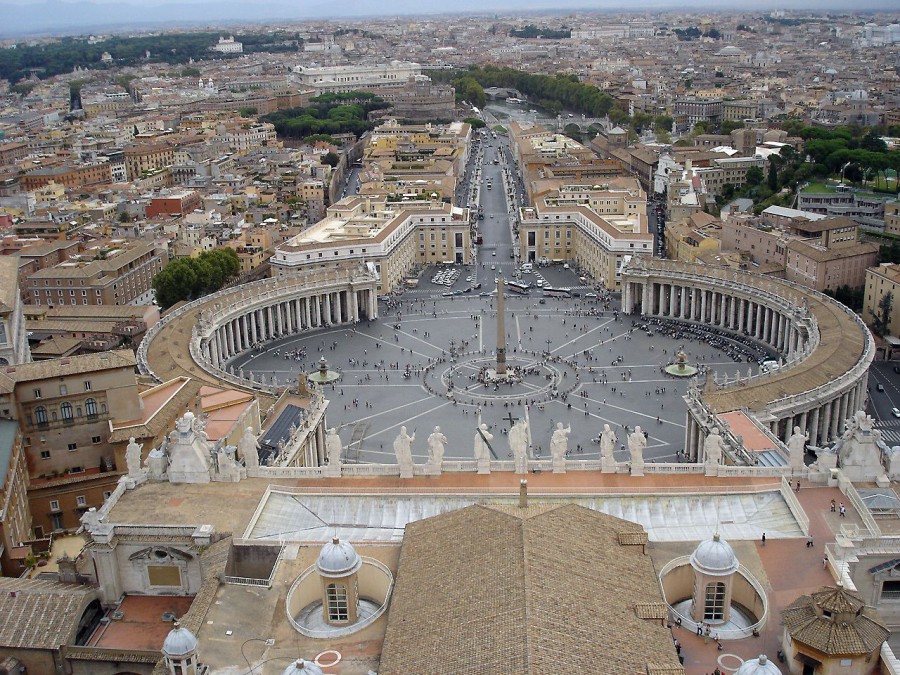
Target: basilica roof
542, 589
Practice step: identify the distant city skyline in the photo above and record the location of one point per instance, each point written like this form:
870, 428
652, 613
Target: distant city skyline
61, 17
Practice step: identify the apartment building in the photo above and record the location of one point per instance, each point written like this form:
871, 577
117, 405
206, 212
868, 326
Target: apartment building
840, 200
15, 516
118, 272
356, 77
173, 203
64, 408
695, 110
597, 226
393, 237
881, 281
822, 254
69, 175
698, 236
147, 157
892, 217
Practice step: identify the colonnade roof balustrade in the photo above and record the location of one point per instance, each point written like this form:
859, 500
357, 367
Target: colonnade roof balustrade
845, 346
165, 350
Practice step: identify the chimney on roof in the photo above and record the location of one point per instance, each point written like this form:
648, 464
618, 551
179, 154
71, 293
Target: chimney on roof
523, 493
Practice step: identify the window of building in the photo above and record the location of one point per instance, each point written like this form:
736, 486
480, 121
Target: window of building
90, 407
63, 390
54, 505
56, 521
95, 440
890, 590
45, 454
81, 500
37, 393
40, 415
66, 411
73, 446
87, 385
714, 606
337, 603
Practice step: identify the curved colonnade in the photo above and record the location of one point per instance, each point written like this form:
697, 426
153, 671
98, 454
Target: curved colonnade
232, 321
826, 349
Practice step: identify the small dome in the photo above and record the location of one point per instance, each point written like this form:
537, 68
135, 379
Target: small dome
338, 559
714, 557
179, 642
301, 667
758, 666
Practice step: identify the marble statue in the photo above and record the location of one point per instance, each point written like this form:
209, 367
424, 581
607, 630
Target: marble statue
133, 458
607, 443
713, 448
333, 447
637, 442
403, 451
91, 519
227, 468
797, 448
436, 443
190, 455
518, 444
482, 438
559, 441
249, 448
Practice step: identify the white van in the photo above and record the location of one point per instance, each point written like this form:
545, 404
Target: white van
528, 268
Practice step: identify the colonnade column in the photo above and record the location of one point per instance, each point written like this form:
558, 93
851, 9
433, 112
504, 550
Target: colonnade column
814, 427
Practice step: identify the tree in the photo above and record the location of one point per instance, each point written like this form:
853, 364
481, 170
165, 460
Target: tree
190, 278
883, 316
754, 176
331, 159
773, 174
728, 126
475, 122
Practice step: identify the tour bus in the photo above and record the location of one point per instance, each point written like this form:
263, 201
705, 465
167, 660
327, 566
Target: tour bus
516, 287
557, 292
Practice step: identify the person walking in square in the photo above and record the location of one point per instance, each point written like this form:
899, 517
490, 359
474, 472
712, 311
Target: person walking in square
764, 539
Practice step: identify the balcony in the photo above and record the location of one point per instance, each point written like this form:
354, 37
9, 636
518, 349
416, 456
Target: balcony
69, 422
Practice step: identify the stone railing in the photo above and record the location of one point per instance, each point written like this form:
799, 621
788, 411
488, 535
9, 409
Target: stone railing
110, 655
250, 581
333, 632
721, 634
794, 505
764, 289
849, 491
306, 281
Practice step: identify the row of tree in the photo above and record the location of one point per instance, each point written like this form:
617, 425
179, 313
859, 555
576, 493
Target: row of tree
63, 55
328, 116
191, 278
553, 92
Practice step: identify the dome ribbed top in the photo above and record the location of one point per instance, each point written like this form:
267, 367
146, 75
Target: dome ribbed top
714, 557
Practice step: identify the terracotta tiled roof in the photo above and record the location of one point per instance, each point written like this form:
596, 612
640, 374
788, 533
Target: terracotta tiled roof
40, 614
846, 628
544, 589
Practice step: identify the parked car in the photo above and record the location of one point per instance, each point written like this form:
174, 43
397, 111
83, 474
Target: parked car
880, 387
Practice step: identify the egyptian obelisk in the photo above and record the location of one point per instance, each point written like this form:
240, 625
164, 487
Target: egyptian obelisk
501, 328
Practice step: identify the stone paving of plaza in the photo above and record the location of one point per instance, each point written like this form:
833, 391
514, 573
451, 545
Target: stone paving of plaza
375, 397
